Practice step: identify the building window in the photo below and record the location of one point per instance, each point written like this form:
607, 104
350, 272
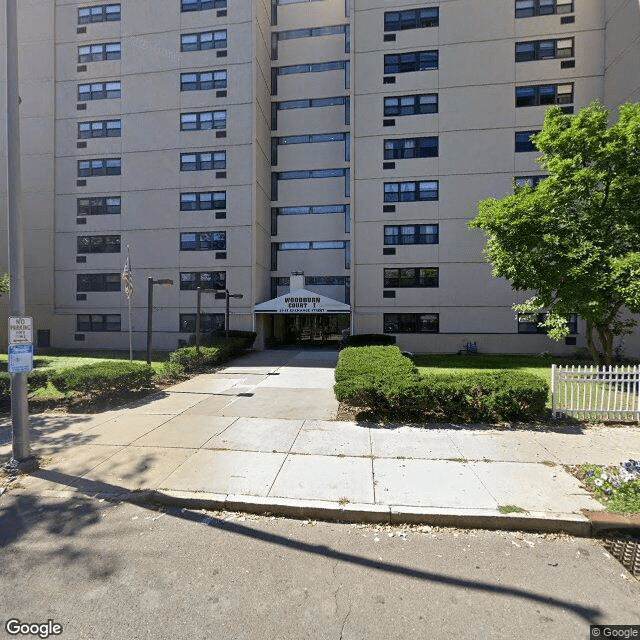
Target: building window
530, 8
402, 148
410, 277
306, 246
335, 281
411, 234
544, 49
305, 174
208, 322
98, 91
99, 206
99, 129
203, 200
411, 322
203, 5
410, 191
99, 52
528, 181
533, 323
203, 120
100, 13
524, 143
312, 32
204, 40
203, 80
411, 19
544, 94
319, 208
99, 167
203, 241
191, 280
86, 322
412, 61
98, 244
203, 161
411, 105
98, 282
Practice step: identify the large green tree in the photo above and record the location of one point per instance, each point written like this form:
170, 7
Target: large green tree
574, 239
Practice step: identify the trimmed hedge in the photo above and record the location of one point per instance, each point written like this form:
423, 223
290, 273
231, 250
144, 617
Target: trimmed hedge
368, 340
245, 338
35, 378
191, 360
390, 385
103, 377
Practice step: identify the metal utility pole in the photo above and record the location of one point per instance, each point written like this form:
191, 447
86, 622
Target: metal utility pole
19, 403
226, 315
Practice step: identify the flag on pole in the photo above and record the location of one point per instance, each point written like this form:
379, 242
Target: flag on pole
127, 279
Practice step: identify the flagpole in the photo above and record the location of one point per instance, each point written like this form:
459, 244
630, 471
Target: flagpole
127, 279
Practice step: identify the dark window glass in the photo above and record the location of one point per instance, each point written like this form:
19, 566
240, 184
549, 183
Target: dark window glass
411, 322
411, 19
411, 234
203, 80
203, 200
410, 191
533, 323
98, 244
544, 49
531, 8
523, 141
191, 280
208, 322
203, 5
98, 322
98, 282
203, 241
412, 61
410, 277
99, 13
400, 148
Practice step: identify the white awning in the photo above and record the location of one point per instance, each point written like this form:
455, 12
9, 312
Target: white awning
302, 301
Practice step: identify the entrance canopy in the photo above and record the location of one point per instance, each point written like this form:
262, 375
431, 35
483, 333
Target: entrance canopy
302, 301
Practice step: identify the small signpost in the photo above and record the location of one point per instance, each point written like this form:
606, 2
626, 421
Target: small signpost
20, 344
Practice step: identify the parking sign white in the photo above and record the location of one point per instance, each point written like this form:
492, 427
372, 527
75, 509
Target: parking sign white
20, 330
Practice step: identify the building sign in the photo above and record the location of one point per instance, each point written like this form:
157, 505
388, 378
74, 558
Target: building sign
302, 301
20, 330
301, 304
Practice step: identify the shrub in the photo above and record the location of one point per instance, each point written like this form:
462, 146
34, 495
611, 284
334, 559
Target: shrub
191, 360
5, 384
35, 378
103, 377
368, 340
245, 338
388, 383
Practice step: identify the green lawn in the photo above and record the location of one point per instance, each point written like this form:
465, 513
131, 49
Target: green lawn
56, 360
536, 365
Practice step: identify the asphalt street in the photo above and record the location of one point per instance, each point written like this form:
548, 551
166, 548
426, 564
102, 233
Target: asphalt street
106, 570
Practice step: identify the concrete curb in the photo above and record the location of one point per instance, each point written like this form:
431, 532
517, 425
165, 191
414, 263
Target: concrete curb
589, 524
570, 523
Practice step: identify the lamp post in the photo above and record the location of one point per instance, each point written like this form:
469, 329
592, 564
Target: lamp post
200, 290
226, 315
165, 282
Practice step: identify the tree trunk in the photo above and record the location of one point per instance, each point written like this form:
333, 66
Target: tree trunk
590, 344
606, 340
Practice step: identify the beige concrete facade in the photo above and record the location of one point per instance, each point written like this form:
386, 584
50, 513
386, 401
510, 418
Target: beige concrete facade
303, 171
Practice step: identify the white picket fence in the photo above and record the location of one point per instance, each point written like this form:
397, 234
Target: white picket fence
607, 393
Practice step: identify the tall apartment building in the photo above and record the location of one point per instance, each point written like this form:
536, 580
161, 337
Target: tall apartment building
334, 149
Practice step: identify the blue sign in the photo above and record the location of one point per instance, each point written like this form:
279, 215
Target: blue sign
20, 358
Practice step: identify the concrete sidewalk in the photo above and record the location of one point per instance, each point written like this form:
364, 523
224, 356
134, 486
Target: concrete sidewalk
258, 435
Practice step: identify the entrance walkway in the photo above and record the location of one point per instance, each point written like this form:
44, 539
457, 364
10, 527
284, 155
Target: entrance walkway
260, 435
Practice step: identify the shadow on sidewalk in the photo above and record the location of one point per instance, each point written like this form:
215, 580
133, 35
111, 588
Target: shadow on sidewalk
69, 519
